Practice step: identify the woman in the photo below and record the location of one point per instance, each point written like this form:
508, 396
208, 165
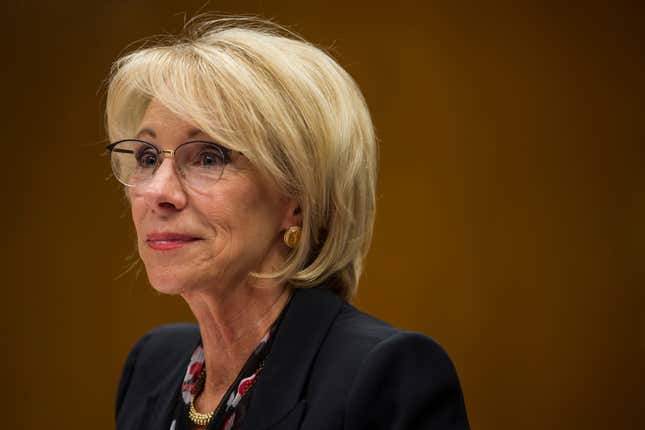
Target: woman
249, 161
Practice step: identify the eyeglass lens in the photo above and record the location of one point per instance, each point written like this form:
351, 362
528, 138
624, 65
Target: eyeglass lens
199, 163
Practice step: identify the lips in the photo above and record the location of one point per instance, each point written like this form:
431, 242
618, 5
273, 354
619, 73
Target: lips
169, 241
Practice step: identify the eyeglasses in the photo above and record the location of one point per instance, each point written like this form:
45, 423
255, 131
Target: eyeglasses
199, 163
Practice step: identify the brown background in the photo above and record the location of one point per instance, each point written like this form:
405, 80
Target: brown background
511, 221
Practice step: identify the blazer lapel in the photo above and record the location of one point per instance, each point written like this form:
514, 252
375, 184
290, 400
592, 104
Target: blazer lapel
161, 402
280, 389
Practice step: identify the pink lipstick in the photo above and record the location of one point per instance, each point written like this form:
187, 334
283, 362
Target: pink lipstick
169, 241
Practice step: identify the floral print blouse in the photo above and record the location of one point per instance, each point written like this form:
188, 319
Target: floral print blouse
235, 402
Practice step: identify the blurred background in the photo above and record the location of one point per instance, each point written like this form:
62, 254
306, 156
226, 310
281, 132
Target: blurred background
511, 218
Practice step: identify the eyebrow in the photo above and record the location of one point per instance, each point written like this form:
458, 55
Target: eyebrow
146, 131
194, 132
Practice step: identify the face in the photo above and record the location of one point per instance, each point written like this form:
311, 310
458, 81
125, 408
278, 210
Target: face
211, 237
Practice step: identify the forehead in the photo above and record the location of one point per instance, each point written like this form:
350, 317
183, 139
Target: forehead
159, 122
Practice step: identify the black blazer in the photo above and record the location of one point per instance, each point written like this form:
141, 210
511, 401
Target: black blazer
330, 367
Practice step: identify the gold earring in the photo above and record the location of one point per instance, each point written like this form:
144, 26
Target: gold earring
292, 236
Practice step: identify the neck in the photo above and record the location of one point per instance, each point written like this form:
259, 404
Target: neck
232, 323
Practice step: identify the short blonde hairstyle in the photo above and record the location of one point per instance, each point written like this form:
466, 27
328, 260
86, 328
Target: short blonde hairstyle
290, 108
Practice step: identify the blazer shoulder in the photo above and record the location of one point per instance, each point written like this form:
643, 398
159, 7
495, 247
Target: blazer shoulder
378, 338
349, 340
169, 341
415, 383
351, 337
363, 338
165, 343
357, 324
370, 375
153, 357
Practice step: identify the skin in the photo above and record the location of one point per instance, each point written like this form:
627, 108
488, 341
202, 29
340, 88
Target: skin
238, 224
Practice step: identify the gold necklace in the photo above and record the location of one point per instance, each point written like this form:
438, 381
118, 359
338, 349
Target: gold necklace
201, 419
197, 417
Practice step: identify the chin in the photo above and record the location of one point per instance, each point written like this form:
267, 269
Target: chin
169, 280
167, 288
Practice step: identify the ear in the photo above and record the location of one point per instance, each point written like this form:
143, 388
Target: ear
292, 215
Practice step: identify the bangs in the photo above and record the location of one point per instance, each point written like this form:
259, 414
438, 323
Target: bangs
213, 87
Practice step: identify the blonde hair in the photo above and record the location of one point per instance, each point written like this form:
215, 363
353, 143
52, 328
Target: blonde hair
290, 108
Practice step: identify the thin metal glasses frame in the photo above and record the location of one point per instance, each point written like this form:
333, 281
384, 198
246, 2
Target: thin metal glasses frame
164, 153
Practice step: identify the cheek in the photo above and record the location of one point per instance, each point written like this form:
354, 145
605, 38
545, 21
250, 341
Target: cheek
137, 210
245, 209
242, 216
214, 210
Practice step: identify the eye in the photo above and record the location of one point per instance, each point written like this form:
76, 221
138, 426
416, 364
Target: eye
146, 158
210, 158
204, 155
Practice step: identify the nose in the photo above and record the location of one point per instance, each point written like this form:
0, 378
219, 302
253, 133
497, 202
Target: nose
164, 190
